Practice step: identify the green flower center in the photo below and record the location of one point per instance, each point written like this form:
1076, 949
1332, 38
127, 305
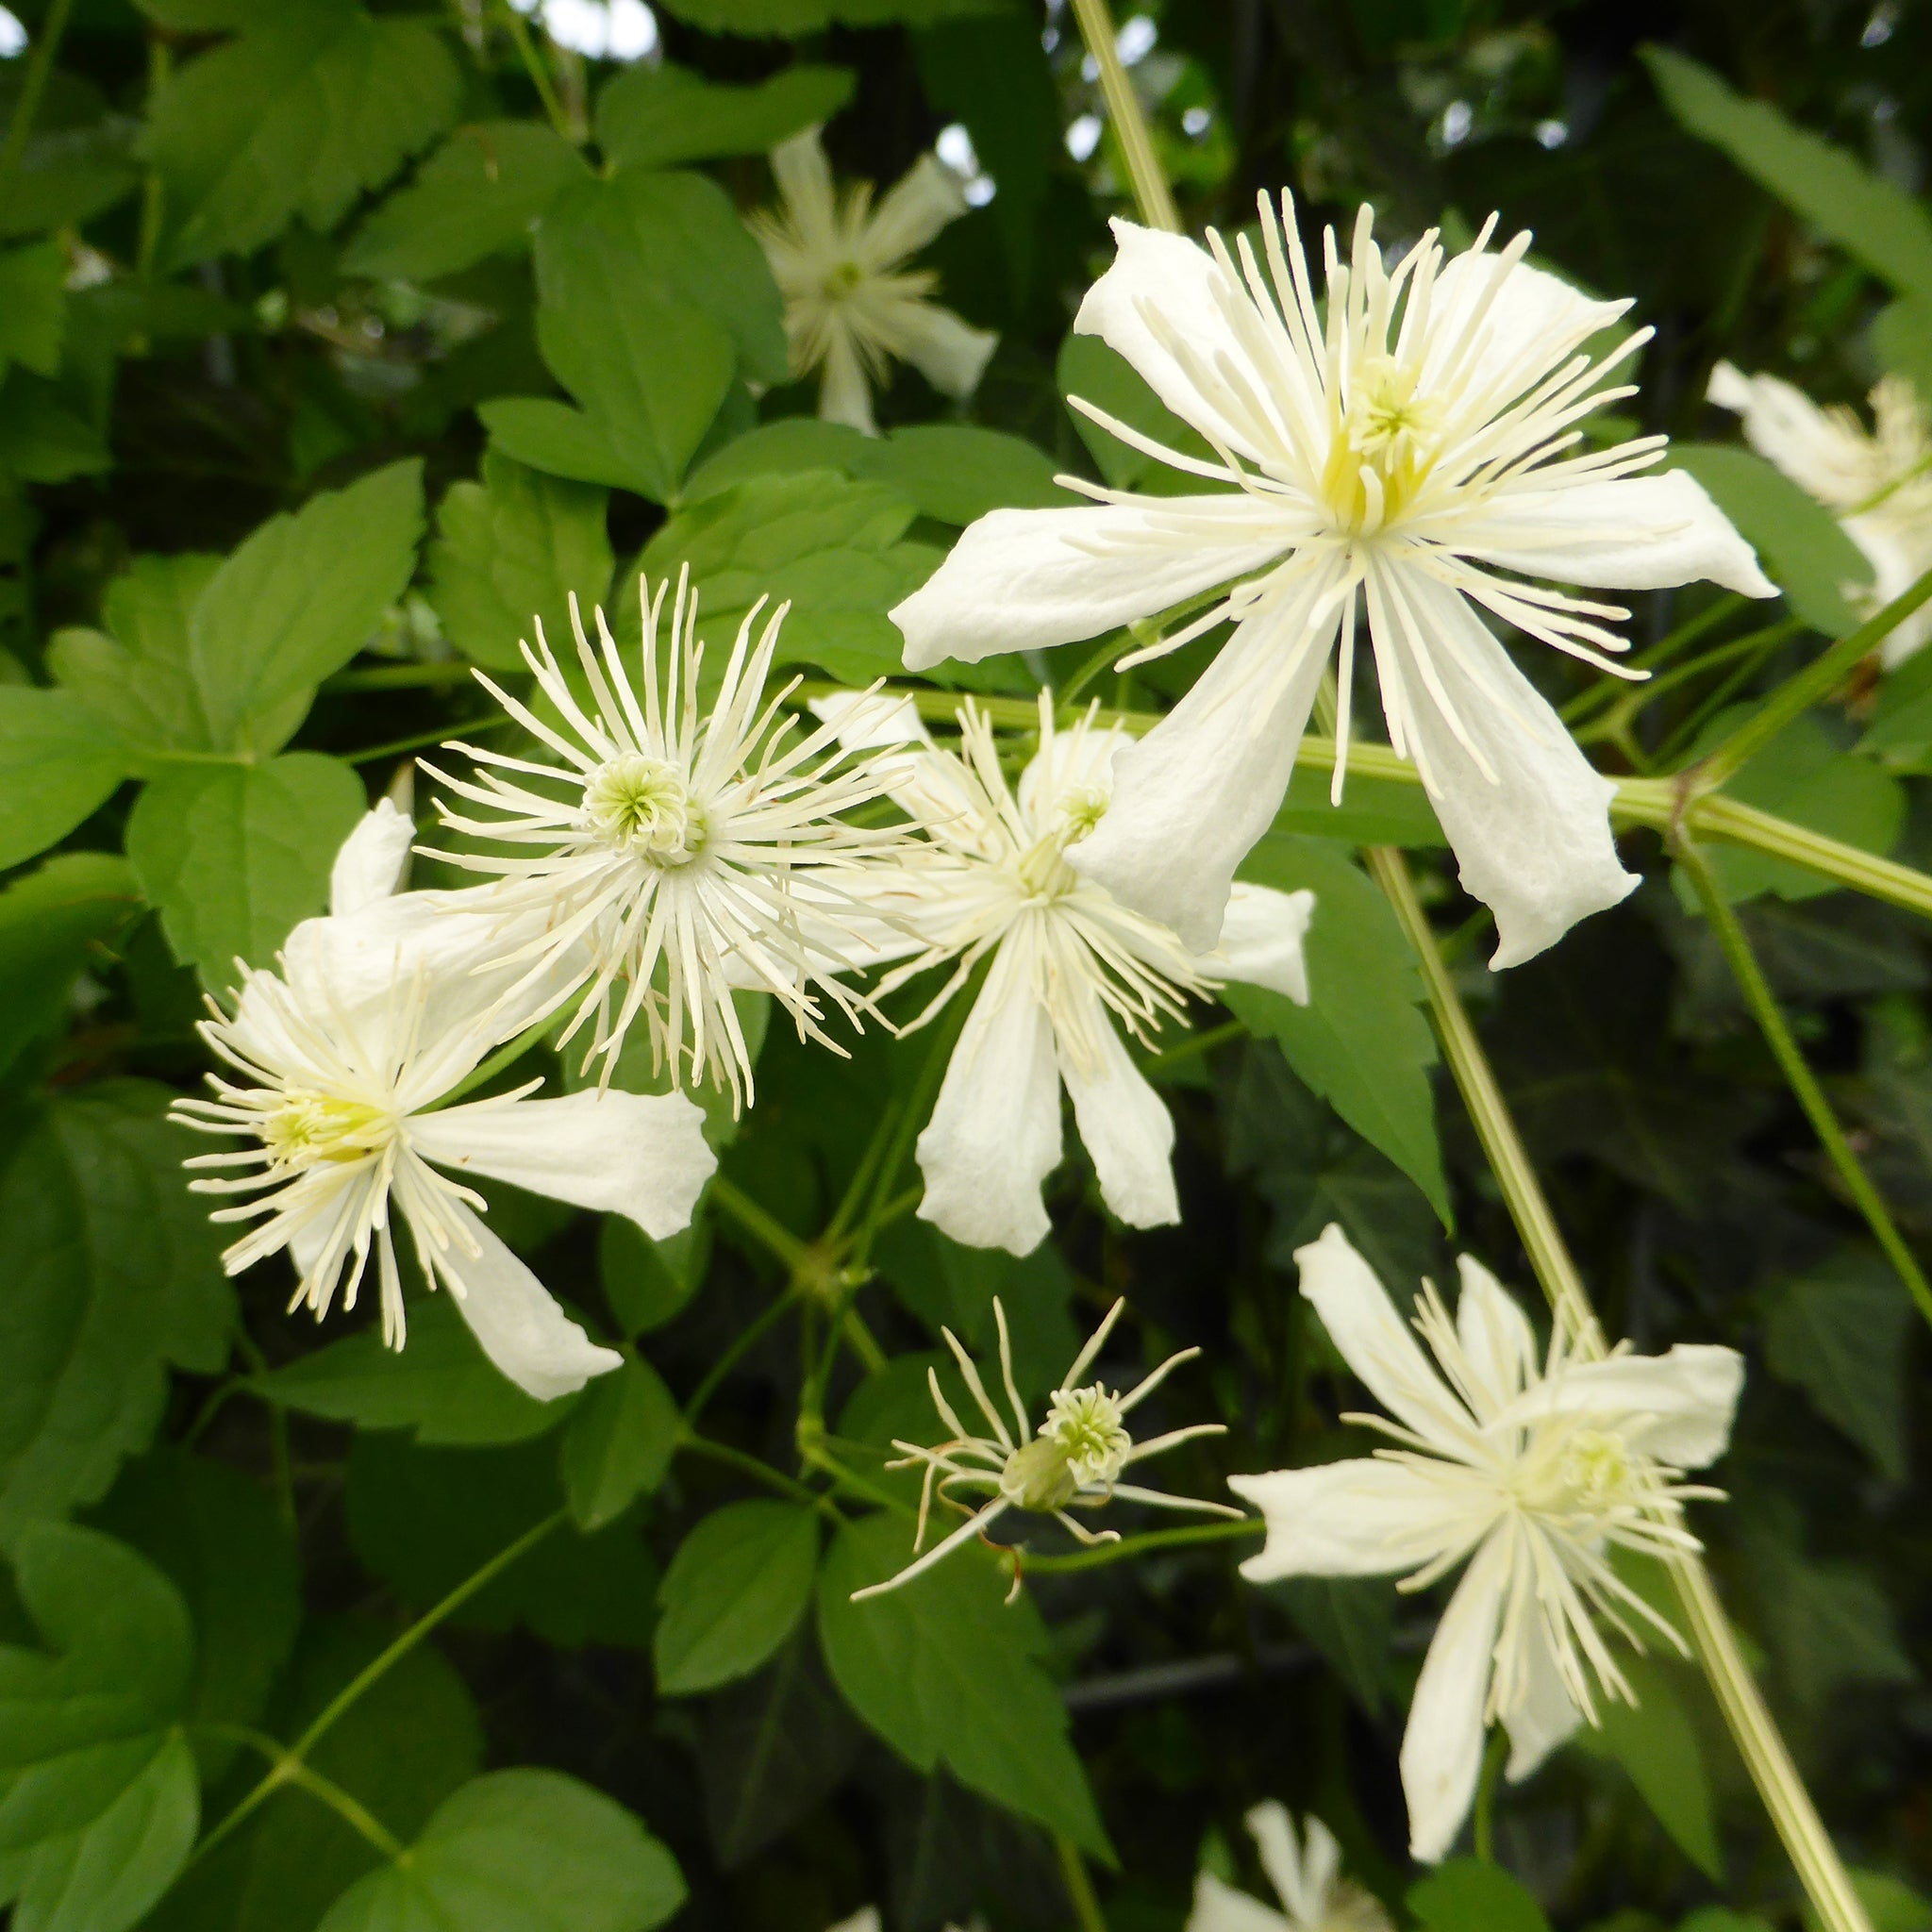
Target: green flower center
640, 805
311, 1128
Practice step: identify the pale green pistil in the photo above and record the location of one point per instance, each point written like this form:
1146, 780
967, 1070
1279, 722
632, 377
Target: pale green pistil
638, 804
311, 1128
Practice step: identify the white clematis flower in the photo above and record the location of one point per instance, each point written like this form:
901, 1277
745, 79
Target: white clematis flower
340, 1063
1535, 1475
1074, 1460
851, 305
1407, 451
706, 851
1879, 486
1306, 1871
1067, 962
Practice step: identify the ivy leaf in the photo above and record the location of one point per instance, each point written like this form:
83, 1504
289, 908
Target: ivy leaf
649, 117
1839, 1333
1361, 1042
521, 1850
113, 1272
52, 921
511, 549
315, 102
946, 1673
831, 547
441, 1386
619, 1443
734, 1592
481, 192
298, 599
98, 1800
57, 768
234, 855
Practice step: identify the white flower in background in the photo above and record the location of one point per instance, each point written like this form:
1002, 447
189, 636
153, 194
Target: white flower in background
338, 1063
851, 305
1395, 454
1534, 1475
1067, 963
1306, 1872
703, 850
1879, 486
1075, 1459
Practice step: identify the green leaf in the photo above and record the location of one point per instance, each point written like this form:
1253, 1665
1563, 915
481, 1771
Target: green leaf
619, 1443
1472, 1895
1373, 811
98, 1799
1902, 338
53, 922
480, 193
946, 1673
112, 1273
791, 18
646, 1282
234, 855
649, 117
1839, 1333
313, 103
511, 549
1655, 1740
1799, 540
1101, 375
737, 1587
780, 448
1362, 1041
440, 1385
521, 1850
956, 472
57, 768
1881, 226
33, 306
219, 1538
299, 598
831, 547
423, 1520
1351, 1620
1890, 1903
42, 438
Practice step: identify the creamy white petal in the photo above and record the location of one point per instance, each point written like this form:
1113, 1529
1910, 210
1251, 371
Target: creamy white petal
1543, 1717
1534, 320
1495, 1335
1261, 941
370, 865
1302, 1876
1822, 454
1020, 580
514, 1317
1192, 798
866, 720
1124, 1124
1175, 280
950, 353
1363, 1517
994, 1135
1222, 1908
1899, 554
1677, 1406
844, 388
639, 1155
1442, 1747
1373, 1340
910, 212
1534, 844
1633, 533
805, 179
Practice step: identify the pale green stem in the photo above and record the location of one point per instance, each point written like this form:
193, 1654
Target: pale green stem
1812, 1853
1080, 1893
1736, 942
1100, 1554
39, 68
535, 66
1129, 125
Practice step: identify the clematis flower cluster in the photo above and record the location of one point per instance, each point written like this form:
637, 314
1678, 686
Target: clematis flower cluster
1304, 1869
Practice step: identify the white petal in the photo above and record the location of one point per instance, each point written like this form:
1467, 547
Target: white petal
639, 1155
1442, 1747
1375, 1343
1192, 798
1533, 321
1125, 1126
1828, 456
805, 180
844, 388
1544, 1715
994, 1135
1303, 1884
922, 202
1535, 845
1020, 580
370, 865
1176, 279
1220, 1907
1630, 533
951, 354
866, 720
1677, 1406
1363, 1517
1261, 941
513, 1316
1899, 554
1495, 1335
